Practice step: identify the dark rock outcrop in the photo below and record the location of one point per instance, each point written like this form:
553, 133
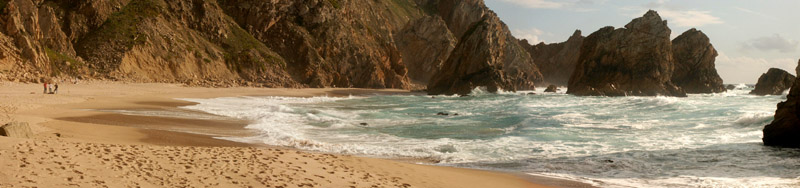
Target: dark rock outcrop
636, 60
695, 71
784, 130
551, 88
556, 61
774, 82
730, 87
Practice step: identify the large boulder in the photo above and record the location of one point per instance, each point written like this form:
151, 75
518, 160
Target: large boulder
784, 130
16, 130
774, 82
695, 71
632, 61
556, 61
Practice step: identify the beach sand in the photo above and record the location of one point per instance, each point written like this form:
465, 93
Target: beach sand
80, 142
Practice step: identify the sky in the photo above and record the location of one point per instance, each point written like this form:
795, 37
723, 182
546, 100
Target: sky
751, 36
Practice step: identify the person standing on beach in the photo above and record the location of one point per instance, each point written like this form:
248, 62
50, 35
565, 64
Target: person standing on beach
56, 90
45, 88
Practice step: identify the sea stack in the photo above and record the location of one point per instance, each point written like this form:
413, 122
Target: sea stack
784, 131
632, 61
556, 61
774, 82
695, 71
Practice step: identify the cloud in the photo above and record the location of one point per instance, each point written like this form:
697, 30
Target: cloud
532, 35
690, 18
754, 12
573, 5
744, 69
674, 13
537, 4
775, 42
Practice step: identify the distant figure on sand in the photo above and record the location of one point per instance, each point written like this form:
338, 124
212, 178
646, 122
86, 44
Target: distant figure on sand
45, 88
56, 90
50, 88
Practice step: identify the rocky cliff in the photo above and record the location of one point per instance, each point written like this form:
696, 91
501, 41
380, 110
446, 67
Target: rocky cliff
425, 44
784, 130
774, 82
486, 55
308, 43
695, 71
556, 61
634, 60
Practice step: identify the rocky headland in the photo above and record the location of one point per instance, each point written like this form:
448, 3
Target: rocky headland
487, 55
311, 43
774, 82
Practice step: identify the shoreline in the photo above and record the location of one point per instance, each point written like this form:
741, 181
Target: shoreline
51, 114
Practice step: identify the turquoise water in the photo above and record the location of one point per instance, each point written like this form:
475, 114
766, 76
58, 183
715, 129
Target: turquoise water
709, 140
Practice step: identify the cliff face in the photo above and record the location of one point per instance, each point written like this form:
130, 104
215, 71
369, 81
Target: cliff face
425, 45
695, 71
774, 82
635, 60
332, 43
784, 130
486, 55
308, 43
556, 61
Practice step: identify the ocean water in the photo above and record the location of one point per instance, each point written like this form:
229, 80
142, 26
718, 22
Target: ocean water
709, 140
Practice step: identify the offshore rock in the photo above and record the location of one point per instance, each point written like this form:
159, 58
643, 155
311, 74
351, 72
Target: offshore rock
774, 82
695, 71
632, 61
551, 88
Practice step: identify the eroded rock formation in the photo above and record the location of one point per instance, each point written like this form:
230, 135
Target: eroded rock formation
774, 82
695, 71
632, 61
556, 61
487, 55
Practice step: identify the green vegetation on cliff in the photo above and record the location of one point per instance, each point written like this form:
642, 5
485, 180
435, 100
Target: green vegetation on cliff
59, 62
122, 25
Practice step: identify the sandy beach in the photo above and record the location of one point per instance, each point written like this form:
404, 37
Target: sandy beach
80, 141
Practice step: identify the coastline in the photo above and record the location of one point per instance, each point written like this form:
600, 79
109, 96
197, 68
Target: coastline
61, 124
